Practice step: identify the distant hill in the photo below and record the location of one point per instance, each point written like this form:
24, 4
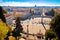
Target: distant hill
32, 7
9, 8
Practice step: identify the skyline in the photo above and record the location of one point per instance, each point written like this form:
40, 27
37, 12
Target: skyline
28, 3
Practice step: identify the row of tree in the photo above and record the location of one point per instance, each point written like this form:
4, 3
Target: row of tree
50, 13
5, 31
4, 28
54, 32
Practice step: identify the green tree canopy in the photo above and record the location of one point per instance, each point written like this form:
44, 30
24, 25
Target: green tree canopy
50, 13
18, 29
4, 10
49, 34
3, 29
2, 17
55, 24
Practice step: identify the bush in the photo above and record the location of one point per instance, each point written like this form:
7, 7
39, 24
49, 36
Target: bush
49, 34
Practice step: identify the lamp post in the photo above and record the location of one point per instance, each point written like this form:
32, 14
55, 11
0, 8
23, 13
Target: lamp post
27, 31
27, 28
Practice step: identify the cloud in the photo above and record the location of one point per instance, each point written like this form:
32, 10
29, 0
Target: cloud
47, 4
16, 4
28, 4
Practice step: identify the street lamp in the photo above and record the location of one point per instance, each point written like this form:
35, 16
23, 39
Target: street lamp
27, 31
27, 28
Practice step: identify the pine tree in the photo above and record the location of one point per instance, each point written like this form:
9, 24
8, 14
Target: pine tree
18, 29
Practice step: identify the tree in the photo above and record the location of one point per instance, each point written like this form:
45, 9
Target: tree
2, 15
3, 30
18, 29
49, 34
55, 24
4, 10
50, 13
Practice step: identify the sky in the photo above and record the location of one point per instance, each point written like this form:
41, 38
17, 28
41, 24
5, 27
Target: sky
29, 3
